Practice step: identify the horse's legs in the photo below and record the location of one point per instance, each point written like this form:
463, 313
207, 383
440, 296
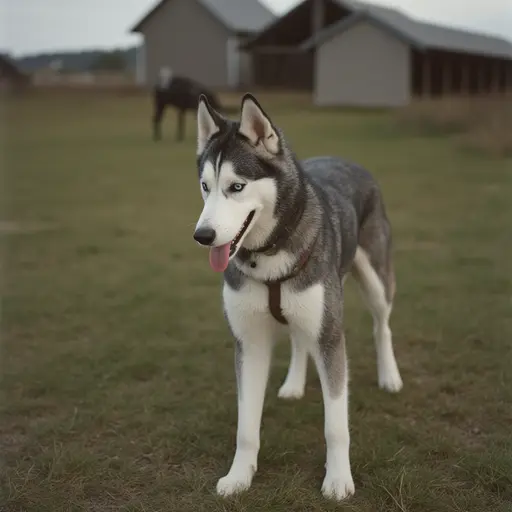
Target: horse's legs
180, 133
157, 118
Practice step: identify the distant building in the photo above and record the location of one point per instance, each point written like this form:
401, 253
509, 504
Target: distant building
200, 39
11, 77
56, 65
354, 53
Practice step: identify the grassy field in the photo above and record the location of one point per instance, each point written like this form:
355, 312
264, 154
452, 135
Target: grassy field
118, 381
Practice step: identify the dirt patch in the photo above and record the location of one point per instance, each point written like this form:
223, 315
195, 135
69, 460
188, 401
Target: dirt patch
11, 227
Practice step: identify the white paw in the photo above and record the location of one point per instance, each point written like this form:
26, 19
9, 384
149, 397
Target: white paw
233, 484
338, 486
290, 391
390, 381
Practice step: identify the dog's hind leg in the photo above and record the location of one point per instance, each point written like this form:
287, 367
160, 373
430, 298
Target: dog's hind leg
378, 291
295, 382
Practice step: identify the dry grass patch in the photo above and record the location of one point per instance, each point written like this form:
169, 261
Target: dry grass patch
14, 227
483, 123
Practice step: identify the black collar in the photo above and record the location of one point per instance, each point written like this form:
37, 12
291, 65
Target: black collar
280, 235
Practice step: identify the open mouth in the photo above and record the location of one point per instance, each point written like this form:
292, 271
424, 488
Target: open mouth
220, 255
240, 234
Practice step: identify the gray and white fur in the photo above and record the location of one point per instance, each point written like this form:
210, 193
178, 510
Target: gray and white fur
326, 207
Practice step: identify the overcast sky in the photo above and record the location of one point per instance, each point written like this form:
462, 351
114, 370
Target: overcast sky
32, 26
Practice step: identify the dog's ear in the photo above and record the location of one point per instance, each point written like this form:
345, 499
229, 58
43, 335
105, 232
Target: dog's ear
256, 126
209, 122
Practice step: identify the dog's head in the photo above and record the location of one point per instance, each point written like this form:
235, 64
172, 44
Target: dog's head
239, 164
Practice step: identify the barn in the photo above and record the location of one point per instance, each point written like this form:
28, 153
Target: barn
200, 39
354, 53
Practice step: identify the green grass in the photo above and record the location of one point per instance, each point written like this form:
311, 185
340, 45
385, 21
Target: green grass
118, 381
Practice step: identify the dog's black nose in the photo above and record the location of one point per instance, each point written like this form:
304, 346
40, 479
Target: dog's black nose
205, 236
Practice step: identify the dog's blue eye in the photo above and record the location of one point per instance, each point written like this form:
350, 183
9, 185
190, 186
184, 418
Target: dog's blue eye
237, 187
205, 186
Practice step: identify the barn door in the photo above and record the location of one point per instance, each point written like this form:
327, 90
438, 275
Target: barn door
233, 62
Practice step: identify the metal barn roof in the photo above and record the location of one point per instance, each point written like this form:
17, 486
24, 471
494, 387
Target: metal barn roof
236, 15
417, 33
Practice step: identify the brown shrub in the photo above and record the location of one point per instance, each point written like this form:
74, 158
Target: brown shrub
483, 122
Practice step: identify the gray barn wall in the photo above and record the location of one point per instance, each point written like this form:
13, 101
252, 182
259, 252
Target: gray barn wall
186, 37
363, 66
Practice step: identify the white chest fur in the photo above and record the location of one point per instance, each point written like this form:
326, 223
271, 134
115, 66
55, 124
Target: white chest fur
248, 308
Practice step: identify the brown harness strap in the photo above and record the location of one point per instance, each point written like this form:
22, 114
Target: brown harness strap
274, 289
274, 301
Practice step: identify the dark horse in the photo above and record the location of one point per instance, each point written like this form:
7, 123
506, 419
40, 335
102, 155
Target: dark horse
183, 94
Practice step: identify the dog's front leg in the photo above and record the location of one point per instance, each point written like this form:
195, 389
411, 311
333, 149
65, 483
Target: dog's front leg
331, 362
253, 348
318, 326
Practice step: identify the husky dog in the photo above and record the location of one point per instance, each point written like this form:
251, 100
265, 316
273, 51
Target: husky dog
286, 233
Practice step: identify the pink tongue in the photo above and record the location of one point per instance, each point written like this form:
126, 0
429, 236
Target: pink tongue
219, 257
